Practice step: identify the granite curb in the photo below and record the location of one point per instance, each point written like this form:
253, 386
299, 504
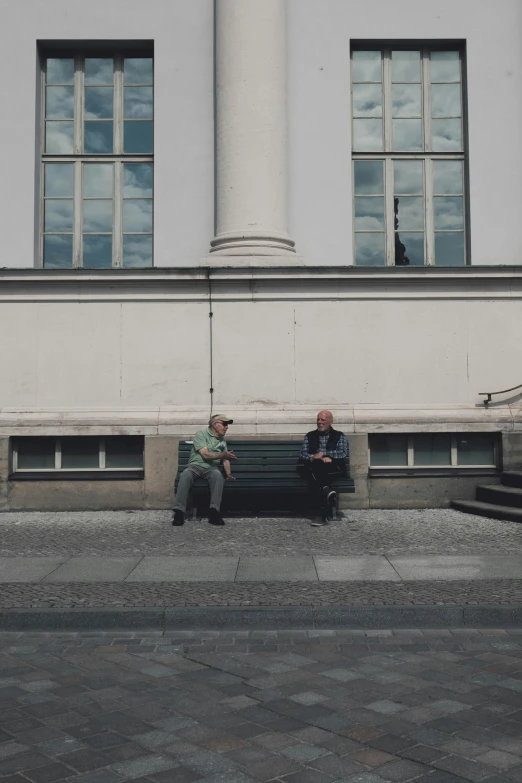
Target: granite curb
265, 618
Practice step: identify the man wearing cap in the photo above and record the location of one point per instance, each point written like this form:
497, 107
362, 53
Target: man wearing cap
208, 451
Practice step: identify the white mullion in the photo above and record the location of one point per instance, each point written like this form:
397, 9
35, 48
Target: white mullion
101, 463
410, 451
426, 98
58, 454
117, 222
78, 105
118, 105
429, 218
78, 214
388, 211
14, 456
454, 456
387, 100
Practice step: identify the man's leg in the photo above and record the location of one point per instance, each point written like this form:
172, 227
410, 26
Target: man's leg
314, 474
187, 478
216, 482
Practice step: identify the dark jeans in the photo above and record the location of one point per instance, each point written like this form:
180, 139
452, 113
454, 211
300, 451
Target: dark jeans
319, 474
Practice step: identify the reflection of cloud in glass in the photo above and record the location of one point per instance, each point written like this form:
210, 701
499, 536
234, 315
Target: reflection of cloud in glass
97, 252
366, 66
410, 247
59, 137
446, 100
98, 102
98, 137
449, 249
367, 100
447, 135
367, 135
97, 180
97, 215
58, 179
58, 251
445, 67
137, 180
138, 70
447, 176
59, 70
137, 251
407, 135
138, 136
408, 176
138, 103
449, 212
369, 213
410, 213
406, 100
58, 215
59, 102
368, 176
369, 249
99, 70
406, 66
137, 215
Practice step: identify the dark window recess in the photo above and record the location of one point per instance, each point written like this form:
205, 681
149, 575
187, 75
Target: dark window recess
434, 451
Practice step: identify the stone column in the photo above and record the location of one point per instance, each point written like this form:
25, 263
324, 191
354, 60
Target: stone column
251, 129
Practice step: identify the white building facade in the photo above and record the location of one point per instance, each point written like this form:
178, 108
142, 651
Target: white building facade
262, 208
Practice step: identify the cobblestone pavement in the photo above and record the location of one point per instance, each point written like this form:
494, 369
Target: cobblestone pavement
68, 595
435, 531
239, 707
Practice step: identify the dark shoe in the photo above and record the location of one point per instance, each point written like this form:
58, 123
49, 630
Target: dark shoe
214, 517
179, 518
320, 521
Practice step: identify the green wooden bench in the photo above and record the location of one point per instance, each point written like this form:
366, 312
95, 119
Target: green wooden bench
266, 479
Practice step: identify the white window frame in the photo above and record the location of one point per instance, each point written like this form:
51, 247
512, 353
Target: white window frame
58, 460
117, 158
388, 155
453, 453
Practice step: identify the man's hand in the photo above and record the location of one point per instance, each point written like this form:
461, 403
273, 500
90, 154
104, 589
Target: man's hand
327, 459
229, 455
230, 477
319, 455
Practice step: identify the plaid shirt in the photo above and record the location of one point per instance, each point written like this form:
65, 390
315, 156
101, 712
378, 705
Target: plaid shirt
339, 453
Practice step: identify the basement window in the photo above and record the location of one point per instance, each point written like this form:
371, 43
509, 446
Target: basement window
434, 453
77, 457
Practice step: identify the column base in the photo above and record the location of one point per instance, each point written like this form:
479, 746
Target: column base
250, 260
252, 243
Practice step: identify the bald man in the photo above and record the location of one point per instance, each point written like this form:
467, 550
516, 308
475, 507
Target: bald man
322, 458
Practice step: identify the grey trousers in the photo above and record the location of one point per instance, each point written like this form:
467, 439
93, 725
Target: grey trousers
190, 474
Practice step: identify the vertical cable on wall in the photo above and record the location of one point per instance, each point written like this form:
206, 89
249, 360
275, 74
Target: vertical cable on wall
210, 319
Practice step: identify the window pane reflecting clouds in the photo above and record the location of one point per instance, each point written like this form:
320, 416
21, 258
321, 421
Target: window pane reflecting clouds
59, 70
58, 251
137, 215
369, 249
138, 70
446, 100
98, 137
138, 102
99, 70
408, 176
59, 103
97, 252
58, 215
447, 135
367, 100
407, 135
98, 180
406, 100
409, 249
138, 137
97, 215
445, 67
449, 213
369, 213
137, 251
99, 103
388, 450
58, 179
59, 137
449, 249
448, 176
406, 66
366, 66
475, 448
137, 180
367, 135
409, 213
432, 449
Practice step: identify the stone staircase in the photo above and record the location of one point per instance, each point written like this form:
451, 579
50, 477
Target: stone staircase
497, 501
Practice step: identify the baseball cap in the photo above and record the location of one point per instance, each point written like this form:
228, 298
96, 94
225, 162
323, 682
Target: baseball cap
224, 419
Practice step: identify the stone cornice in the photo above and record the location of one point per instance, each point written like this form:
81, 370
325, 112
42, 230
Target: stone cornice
260, 283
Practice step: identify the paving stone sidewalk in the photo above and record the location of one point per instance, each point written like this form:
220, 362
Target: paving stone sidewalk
440, 706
